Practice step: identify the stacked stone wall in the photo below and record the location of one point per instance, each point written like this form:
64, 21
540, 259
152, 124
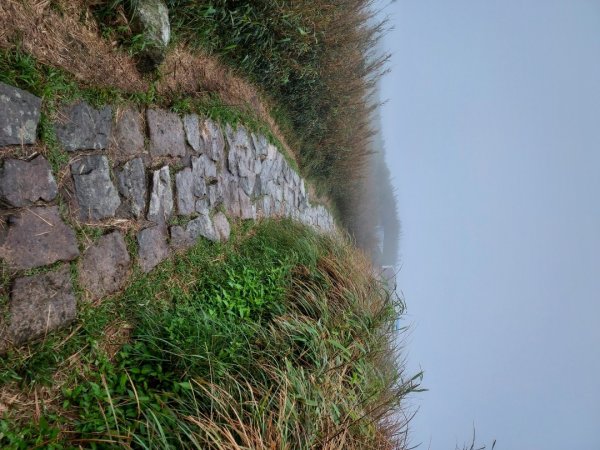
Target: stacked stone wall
177, 179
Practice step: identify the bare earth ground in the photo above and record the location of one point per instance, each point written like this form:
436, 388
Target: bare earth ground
69, 40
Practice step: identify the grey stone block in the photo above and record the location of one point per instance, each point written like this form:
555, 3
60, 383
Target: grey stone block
153, 247
202, 226
131, 181
191, 124
186, 201
19, 116
104, 267
37, 237
221, 226
96, 194
41, 303
82, 127
23, 183
161, 197
166, 133
213, 140
128, 134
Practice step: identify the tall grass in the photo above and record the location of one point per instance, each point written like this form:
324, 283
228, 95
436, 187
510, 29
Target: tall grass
283, 340
309, 366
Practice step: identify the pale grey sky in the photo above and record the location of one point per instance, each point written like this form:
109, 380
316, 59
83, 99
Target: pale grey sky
493, 136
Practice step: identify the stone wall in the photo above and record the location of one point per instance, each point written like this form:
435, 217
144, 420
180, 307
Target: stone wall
177, 179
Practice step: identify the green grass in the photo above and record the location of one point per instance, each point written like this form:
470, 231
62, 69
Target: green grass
277, 339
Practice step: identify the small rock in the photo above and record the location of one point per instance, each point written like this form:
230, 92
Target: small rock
166, 133
22, 183
192, 131
19, 116
128, 136
161, 198
153, 247
104, 267
84, 128
151, 18
96, 194
221, 225
131, 180
37, 237
41, 303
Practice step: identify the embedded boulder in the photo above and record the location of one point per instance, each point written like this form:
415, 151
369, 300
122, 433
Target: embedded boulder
23, 183
19, 116
186, 202
151, 19
192, 192
96, 194
180, 238
202, 226
37, 237
83, 127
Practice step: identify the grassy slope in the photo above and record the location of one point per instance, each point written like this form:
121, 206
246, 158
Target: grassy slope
278, 339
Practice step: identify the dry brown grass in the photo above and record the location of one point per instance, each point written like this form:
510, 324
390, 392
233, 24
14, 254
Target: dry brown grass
20, 402
31, 403
69, 40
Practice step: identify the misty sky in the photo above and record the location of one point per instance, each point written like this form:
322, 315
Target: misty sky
492, 132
